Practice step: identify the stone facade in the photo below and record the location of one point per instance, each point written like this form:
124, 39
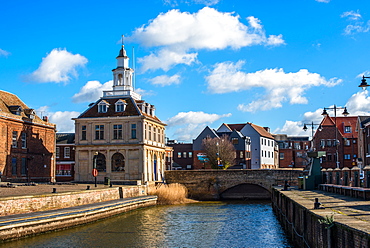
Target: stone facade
27, 143
120, 134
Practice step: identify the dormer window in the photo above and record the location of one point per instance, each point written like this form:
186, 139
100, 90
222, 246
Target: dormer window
121, 106
16, 110
30, 113
103, 107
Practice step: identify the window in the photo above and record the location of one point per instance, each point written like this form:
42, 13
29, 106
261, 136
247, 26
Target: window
347, 156
99, 132
14, 166
329, 157
67, 152
190, 154
150, 132
322, 143
24, 140
83, 132
297, 146
179, 155
102, 108
154, 133
241, 154
57, 152
24, 167
347, 142
120, 106
14, 139
347, 129
133, 131
281, 155
235, 141
329, 143
117, 131
184, 154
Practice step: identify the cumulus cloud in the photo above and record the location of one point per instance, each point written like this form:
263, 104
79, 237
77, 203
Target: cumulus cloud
91, 91
165, 59
279, 86
177, 33
189, 124
323, 1
58, 66
165, 80
356, 24
357, 104
204, 2
62, 119
4, 53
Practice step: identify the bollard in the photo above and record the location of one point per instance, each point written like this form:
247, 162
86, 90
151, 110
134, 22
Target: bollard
54, 190
317, 204
88, 187
110, 185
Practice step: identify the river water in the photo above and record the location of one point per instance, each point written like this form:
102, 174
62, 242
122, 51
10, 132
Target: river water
211, 224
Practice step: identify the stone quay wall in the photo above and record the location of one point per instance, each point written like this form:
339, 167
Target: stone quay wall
302, 225
210, 184
27, 204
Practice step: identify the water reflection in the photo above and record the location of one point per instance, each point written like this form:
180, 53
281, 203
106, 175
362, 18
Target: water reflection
216, 224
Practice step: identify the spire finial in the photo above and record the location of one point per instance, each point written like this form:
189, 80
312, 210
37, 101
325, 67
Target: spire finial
122, 40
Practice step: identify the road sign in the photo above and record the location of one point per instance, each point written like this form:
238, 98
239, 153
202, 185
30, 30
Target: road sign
94, 172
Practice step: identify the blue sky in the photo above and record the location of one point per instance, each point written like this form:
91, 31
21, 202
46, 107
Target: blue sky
200, 62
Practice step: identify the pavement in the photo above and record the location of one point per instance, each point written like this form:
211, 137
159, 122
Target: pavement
21, 189
353, 212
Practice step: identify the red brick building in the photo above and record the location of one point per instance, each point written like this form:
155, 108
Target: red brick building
65, 157
27, 143
293, 150
341, 131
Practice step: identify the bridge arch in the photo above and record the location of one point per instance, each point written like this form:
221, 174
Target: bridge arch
246, 191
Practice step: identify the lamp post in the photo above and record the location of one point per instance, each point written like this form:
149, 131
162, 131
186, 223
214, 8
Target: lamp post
364, 84
345, 113
312, 127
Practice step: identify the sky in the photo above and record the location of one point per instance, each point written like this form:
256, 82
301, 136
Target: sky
202, 63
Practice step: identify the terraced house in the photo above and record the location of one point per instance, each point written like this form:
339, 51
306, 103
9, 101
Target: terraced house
122, 132
27, 142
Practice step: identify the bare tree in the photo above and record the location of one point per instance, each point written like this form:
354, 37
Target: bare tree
220, 152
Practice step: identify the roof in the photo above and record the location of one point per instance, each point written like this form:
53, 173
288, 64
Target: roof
261, 131
236, 127
65, 138
10, 103
131, 109
342, 122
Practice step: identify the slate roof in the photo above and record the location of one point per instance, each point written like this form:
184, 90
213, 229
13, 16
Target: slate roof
65, 138
131, 109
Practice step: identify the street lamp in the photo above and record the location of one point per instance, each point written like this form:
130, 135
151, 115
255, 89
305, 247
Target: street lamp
312, 126
364, 84
345, 113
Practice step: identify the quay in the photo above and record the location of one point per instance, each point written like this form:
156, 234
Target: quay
103, 203
299, 216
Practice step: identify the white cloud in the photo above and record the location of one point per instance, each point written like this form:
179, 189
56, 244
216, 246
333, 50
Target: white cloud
356, 25
177, 33
62, 119
189, 124
144, 92
4, 53
279, 86
359, 103
165, 80
352, 15
58, 66
91, 91
204, 2
166, 59
323, 1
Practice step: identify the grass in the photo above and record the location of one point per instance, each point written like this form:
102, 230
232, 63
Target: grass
171, 194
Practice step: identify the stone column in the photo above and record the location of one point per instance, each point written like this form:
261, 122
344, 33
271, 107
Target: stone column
355, 175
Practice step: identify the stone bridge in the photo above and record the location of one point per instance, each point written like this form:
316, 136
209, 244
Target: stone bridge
232, 184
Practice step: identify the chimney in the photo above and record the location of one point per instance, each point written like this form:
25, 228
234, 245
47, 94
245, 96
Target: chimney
267, 129
45, 118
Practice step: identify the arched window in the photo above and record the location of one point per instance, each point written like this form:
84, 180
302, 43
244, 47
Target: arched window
100, 162
118, 162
